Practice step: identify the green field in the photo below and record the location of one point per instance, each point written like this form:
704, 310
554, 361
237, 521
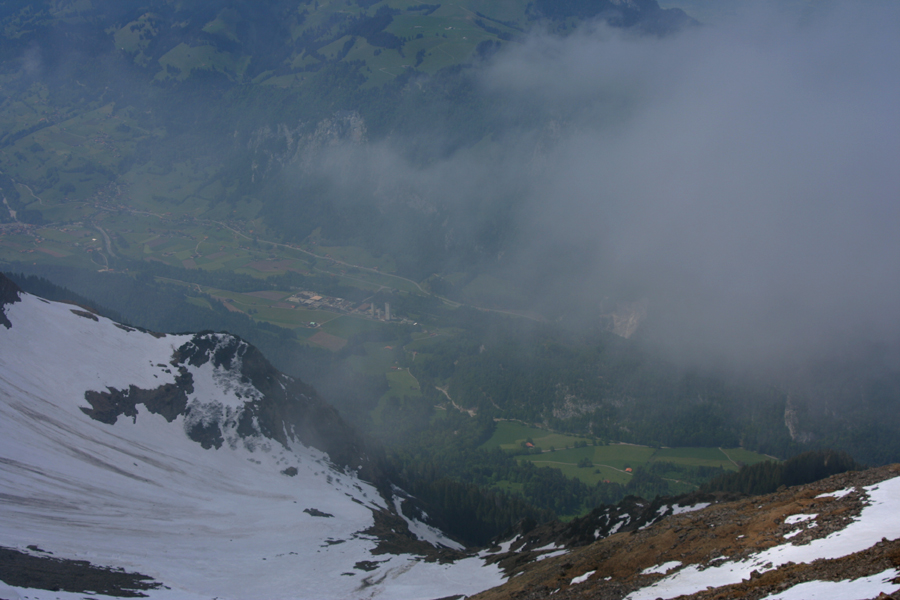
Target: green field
510, 435
402, 384
609, 461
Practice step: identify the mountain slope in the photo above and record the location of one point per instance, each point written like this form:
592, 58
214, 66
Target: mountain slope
188, 459
281, 43
837, 538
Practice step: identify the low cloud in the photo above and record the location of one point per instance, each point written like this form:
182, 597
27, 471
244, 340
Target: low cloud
743, 177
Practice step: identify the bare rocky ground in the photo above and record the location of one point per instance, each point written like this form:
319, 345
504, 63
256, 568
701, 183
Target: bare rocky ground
37, 568
726, 531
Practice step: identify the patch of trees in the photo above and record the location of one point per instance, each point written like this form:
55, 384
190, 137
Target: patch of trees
469, 512
510, 24
768, 476
372, 29
426, 9
601, 385
493, 30
695, 475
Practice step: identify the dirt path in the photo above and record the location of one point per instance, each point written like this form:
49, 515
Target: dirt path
106, 240
729, 458
33, 195
469, 411
413, 376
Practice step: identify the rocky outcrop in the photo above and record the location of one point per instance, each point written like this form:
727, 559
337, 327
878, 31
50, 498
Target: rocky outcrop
9, 293
275, 407
792, 422
274, 149
626, 318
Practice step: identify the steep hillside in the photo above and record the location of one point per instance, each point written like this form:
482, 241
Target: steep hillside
837, 538
280, 42
189, 463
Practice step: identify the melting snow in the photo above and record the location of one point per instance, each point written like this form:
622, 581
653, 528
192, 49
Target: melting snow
878, 520
582, 578
140, 495
661, 569
678, 510
799, 519
550, 546
837, 493
504, 547
425, 532
857, 589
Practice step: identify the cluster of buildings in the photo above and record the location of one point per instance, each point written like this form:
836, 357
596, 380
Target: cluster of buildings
371, 311
312, 300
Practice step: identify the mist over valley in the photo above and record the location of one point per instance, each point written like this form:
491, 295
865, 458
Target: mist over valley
534, 259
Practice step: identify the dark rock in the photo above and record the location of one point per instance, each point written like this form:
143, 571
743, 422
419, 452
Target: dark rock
169, 400
9, 293
85, 314
24, 570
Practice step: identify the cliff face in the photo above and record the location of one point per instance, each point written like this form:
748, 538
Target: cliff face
834, 535
302, 148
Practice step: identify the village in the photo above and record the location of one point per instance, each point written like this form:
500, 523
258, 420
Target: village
314, 301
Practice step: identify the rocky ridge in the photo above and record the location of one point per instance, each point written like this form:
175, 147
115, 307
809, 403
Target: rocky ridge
706, 541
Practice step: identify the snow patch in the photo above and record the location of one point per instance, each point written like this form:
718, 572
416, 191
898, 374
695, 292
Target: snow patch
582, 578
661, 569
879, 519
615, 528
864, 587
504, 547
550, 546
426, 533
799, 519
837, 494
679, 510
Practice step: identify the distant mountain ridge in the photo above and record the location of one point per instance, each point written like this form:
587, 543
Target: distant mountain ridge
253, 42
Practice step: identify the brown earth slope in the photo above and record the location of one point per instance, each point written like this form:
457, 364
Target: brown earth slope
722, 532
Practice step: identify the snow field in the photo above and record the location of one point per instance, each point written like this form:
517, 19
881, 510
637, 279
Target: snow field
140, 495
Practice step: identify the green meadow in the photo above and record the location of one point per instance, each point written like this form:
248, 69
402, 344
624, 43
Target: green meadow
609, 462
